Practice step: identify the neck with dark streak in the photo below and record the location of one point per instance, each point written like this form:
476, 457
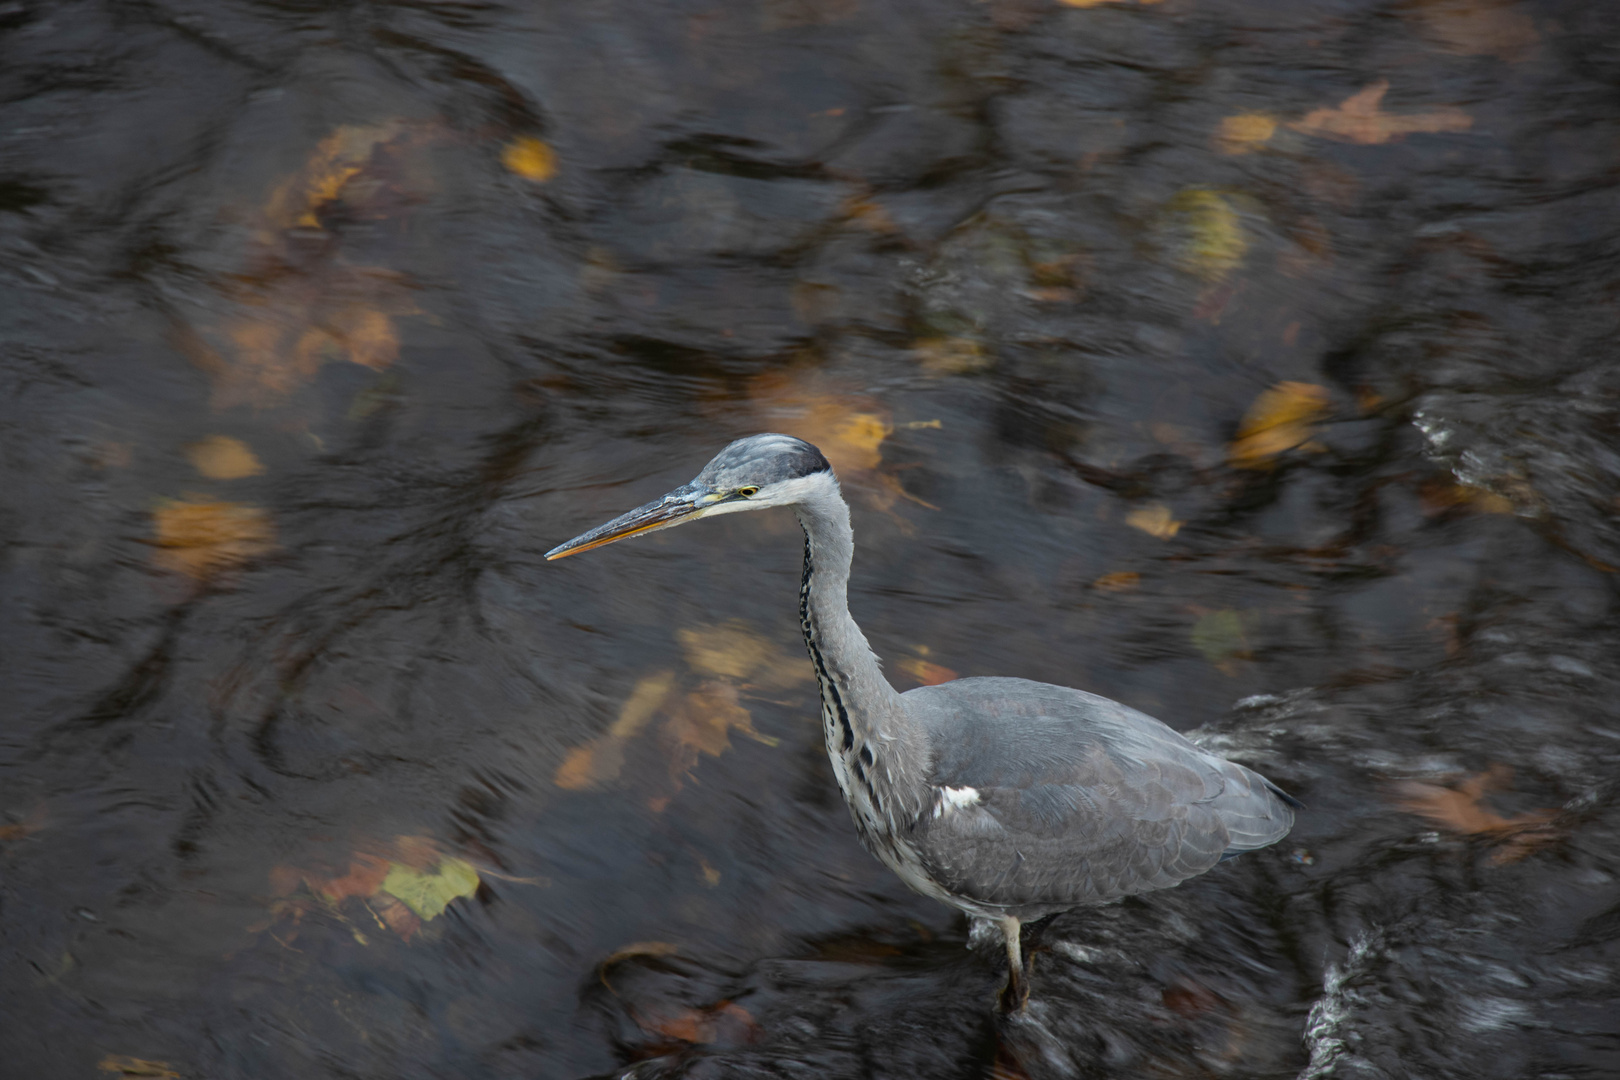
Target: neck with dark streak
875, 748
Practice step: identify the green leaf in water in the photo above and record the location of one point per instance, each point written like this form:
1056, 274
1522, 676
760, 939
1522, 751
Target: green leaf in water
427, 892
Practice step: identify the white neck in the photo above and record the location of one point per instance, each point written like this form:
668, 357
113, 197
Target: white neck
870, 739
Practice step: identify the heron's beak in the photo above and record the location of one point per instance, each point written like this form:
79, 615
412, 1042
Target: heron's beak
676, 508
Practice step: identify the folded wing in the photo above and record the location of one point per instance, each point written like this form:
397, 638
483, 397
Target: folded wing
1047, 797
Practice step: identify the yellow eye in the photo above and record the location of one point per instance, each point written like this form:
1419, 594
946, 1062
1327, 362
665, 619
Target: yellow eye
745, 492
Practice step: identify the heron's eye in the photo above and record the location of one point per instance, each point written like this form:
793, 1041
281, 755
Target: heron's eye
745, 492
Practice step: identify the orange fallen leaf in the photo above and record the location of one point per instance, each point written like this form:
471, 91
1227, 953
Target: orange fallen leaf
1245, 132
1155, 519
203, 539
1118, 581
220, 457
364, 877
1359, 119
849, 430
530, 158
725, 1022
1281, 418
1460, 809
703, 723
1441, 495
925, 672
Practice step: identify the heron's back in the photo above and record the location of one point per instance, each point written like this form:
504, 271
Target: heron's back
1047, 797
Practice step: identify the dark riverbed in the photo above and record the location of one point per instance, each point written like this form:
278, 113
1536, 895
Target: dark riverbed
1254, 363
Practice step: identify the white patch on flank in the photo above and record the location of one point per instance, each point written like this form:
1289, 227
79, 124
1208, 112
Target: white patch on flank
954, 799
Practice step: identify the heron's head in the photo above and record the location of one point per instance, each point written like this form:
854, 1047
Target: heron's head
751, 474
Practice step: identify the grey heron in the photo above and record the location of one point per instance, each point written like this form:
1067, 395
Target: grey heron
1006, 798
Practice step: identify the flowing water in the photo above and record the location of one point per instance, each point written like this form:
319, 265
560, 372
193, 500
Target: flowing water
1251, 362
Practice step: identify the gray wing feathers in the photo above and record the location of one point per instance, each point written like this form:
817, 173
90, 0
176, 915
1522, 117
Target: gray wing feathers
1060, 797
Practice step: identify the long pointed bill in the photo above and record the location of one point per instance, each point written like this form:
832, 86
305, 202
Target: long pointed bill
673, 509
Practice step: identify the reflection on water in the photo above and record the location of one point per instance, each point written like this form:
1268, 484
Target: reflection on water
1247, 363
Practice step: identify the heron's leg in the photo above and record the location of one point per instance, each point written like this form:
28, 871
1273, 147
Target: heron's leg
1016, 993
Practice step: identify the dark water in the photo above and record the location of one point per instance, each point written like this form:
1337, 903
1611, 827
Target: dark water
1251, 362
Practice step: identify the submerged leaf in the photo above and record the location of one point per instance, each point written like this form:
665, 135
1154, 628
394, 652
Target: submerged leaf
1460, 809
220, 457
1245, 132
1281, 418
952, 356
1155, 519
203, 539
926, 672
1220, 636
726, 1022
732, 650
1213, 240
600, 760
530, 158
337, 159
1359, 119
428, 892
1118, 581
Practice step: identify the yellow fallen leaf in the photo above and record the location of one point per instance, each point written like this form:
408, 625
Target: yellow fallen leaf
1215, 240
429, 892
220, 457
711, 876
1281, 418
645, 699
202, 539
124, 1065
338, 158
732, 650
530, 158
1359, 119
860, 435
1244, 132
1118, 581
1155, 519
